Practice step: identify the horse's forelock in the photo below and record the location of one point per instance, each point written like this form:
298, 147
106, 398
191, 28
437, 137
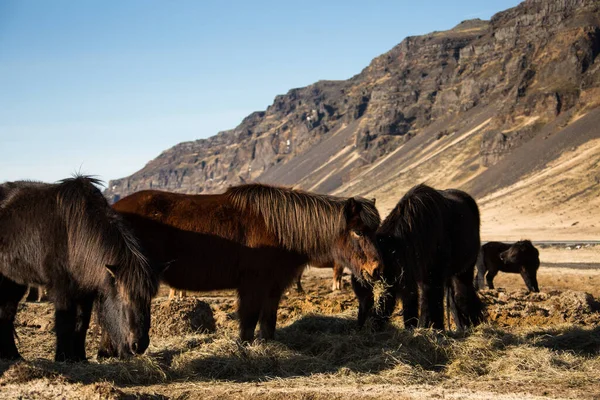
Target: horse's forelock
304, 222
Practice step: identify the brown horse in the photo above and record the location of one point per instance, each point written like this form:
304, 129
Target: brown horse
520, 257
254, 238
66, 237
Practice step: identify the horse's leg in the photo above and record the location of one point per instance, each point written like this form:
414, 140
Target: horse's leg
41, 293
299, 288
431, 304
489, 277
468, 309
410, 306
84, 313
364, 294
338, 272
424, 318
10, 295
436, 303
65, 316
530, 279
479, 281
33, 294
268, 314
249, 304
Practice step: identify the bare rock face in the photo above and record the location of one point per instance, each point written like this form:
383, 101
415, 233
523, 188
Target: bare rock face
527, 66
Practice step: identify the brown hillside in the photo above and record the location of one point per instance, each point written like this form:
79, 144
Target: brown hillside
506, 109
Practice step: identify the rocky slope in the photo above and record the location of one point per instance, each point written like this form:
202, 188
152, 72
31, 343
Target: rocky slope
482, 106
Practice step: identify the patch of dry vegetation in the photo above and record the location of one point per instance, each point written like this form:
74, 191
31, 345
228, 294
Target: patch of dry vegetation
320, 354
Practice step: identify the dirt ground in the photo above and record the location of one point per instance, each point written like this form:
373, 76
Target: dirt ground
538, 345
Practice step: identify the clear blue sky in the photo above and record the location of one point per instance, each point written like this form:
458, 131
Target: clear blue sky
102, 87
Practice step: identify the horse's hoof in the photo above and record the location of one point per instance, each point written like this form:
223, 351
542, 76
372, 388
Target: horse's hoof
103, 354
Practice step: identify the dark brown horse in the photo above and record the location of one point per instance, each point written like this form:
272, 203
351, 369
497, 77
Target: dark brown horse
520, 258
253, 238
66, 237
429, 243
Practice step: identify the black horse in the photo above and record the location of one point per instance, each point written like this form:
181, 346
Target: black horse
429, 243
66, 237
520, 257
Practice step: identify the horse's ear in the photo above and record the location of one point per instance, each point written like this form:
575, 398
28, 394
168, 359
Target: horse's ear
165, 266
373, 200
352, 208
112, 270
502, 256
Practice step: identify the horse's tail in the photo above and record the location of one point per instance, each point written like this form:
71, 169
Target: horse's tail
479, 281
463, 303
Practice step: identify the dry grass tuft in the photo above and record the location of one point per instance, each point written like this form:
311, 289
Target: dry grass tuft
529, 355
138, 370
380, 289
23, 371
181, 316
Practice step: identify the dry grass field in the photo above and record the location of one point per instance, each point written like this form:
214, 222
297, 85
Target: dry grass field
544, 345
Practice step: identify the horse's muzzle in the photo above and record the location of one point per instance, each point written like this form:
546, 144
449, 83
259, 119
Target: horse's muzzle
372, 271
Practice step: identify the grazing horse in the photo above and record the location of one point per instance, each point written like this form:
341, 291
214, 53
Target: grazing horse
66, 237
429, 243
338, 271
253, 238
520, 257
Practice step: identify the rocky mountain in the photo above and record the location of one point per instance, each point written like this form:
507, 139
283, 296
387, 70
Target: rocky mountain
484, 106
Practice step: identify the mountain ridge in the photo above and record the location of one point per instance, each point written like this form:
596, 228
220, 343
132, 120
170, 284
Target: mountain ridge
449, 108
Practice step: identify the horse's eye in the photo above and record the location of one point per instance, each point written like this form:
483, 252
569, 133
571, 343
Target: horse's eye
356, 234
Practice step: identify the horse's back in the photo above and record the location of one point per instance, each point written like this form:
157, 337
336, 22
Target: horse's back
28, 228
198, 213
157, 202
494, 248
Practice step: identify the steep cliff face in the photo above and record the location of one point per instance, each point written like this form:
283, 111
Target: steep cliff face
444, 107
